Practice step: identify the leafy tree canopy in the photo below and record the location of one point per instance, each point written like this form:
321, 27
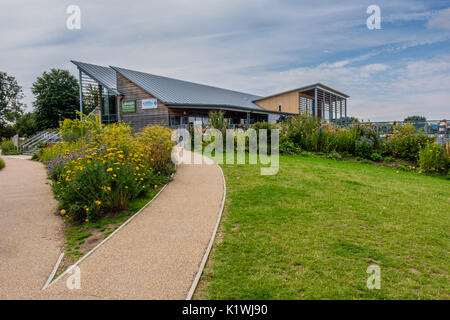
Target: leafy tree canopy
56, 94
26, 125
415, 119
11, 95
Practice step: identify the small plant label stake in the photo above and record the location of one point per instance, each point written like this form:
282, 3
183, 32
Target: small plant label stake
74, 281
374, 281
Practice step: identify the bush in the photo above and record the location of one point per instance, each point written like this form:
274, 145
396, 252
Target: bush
7, 147
375, 156
345, 141
288, 147
364, 147
101, 180
434, 158
73, 129
334, 155
299, 130
157, 147
100, 172
405, 142
2, 163
389, 159
217, 120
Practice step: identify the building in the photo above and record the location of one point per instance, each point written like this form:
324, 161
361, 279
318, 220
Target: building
141, 99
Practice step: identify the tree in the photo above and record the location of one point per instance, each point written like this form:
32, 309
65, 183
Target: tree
216, 120
26, 125
56, 94
415, 119
11, 95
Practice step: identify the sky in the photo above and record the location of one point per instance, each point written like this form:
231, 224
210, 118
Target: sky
255, 46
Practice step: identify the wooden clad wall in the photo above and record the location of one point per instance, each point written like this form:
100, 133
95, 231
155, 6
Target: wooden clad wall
142, 117
289, 101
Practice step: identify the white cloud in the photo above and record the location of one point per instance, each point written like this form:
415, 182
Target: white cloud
256, 46
441, 20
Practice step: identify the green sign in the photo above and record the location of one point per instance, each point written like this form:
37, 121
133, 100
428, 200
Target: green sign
128, 106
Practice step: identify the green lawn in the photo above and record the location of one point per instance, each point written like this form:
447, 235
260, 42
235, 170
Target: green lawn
311, 231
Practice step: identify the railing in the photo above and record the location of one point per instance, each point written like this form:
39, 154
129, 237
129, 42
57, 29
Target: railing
32, 143
430, 127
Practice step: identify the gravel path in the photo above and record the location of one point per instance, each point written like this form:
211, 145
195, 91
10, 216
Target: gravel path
31, 237
156, 255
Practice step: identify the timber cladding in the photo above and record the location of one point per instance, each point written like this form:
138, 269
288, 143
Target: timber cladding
142, 117
289, 102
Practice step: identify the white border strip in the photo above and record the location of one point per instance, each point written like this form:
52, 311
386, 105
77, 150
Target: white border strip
55, 268
101, 243
211, 241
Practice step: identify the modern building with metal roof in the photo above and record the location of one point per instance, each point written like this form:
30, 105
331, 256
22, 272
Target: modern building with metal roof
143, 98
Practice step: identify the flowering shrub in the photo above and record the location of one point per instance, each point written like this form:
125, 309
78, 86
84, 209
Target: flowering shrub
74, 129
434, 158
101, 172
308, 133
157, 146
405, 142
7, 146
364, 147
100, 180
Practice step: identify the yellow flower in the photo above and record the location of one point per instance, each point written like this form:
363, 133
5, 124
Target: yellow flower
108, 188
156, 186
137, 168
114, 175
98, 202
87, 220
126, 187
63, 211
109, 169
87, 209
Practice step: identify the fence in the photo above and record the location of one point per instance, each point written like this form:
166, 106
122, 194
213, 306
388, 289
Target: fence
430, 127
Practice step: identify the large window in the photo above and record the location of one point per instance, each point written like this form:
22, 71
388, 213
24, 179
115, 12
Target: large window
108, 107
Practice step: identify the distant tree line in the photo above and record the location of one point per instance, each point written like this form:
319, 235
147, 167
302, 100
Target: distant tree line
55, 98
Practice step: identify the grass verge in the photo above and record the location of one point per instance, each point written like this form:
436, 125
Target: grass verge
312, 230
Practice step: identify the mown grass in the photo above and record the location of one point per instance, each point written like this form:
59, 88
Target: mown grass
311, 231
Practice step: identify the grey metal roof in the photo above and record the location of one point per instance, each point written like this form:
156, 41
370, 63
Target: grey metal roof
178, 92
103, 75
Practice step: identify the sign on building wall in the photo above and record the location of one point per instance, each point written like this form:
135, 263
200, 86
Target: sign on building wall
149, 103
128, 106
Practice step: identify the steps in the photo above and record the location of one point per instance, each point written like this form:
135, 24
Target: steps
32, 144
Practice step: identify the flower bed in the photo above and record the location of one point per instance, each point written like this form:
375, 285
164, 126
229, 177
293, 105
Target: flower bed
304, 132
102, 172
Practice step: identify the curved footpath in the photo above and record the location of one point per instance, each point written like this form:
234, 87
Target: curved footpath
155, 256
31, 237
